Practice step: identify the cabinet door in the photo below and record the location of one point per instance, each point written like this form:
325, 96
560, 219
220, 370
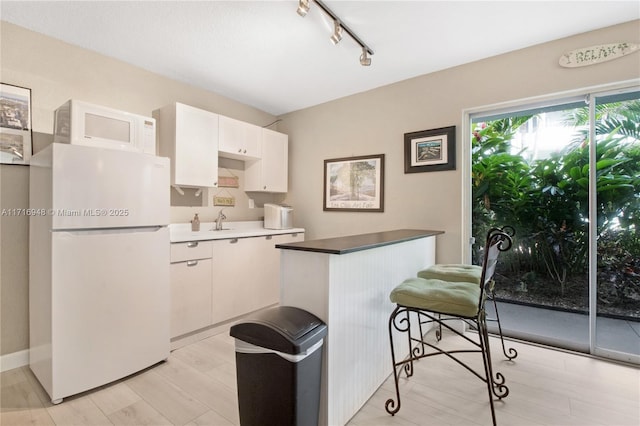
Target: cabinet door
270, 173
190, 296
234, 271
239, 140
253, 134
196, 150
246, 274
268, 291
189, 137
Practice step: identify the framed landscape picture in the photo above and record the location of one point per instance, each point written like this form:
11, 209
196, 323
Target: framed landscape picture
354, 184
430, 150
15, 124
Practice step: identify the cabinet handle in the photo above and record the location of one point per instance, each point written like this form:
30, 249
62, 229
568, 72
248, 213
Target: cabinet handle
192, 262
192, 244
295, 234
264, 187
269, 237
233, 241
244, 152
240, 151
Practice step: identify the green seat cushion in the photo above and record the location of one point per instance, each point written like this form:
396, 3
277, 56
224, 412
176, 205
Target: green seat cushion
453, 298
453, 272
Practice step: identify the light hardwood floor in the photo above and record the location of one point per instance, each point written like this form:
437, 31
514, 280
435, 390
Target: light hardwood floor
197, 386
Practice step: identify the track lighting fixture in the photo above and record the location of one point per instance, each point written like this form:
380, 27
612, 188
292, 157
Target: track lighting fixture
303, 7
337, 32
338, 28
365, 60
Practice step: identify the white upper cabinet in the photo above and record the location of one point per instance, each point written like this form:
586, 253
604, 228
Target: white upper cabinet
189, 136
239, 140
270, 173
194, 138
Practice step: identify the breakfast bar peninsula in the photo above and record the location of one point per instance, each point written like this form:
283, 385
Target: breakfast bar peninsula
346, 282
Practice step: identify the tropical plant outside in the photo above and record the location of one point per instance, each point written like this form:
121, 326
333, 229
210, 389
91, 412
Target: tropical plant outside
547, 201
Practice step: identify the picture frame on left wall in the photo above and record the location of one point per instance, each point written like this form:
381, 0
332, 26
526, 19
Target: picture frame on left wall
354, 184
15, 124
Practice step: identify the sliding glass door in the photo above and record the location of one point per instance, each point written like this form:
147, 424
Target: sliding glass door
573, 279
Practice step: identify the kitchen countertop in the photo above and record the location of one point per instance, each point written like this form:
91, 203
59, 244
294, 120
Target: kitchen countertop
181, 232
353, 243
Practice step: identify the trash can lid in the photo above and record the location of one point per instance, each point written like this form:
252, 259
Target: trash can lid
281, 328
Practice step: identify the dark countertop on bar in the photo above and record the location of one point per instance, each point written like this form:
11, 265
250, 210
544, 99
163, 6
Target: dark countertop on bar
353, 243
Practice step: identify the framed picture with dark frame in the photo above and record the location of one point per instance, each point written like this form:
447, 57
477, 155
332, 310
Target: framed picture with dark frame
15, 124
354, 184
430, 150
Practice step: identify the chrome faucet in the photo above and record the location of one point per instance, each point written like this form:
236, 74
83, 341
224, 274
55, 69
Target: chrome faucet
219, 220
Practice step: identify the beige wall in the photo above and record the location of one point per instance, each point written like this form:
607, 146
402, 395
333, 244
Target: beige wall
374, 122
369, 123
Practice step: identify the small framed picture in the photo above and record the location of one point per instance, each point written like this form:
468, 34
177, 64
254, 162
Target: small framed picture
354, 184
430, 150
15, 124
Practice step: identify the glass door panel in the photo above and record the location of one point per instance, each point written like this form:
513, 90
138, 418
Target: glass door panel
617, 207
530, 170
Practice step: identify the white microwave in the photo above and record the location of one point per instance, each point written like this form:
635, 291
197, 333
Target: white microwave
82, 123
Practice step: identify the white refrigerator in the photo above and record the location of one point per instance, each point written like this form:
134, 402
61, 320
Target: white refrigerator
99, 266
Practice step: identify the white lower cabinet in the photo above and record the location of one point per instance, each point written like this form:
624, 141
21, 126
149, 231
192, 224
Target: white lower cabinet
234, 263
239, 276
269, 291
246, 274
190, 277
190, 296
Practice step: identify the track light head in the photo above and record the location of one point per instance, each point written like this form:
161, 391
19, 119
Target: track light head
337, 32
303, 7
365, 60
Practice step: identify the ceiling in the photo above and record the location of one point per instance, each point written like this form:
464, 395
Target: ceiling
263, 54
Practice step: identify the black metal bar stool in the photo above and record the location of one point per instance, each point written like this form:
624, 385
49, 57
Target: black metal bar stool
456, 272
439, 302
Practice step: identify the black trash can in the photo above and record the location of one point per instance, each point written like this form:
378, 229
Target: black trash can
278, 365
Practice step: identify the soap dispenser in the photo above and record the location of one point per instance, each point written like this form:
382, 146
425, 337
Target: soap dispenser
195, 223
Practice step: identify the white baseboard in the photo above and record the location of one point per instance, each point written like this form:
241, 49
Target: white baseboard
14, 360
187, 339
222, 327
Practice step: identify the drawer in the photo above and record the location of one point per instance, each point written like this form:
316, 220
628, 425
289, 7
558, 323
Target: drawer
191, 250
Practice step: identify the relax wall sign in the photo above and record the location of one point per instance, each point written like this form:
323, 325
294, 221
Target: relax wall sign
596, 54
